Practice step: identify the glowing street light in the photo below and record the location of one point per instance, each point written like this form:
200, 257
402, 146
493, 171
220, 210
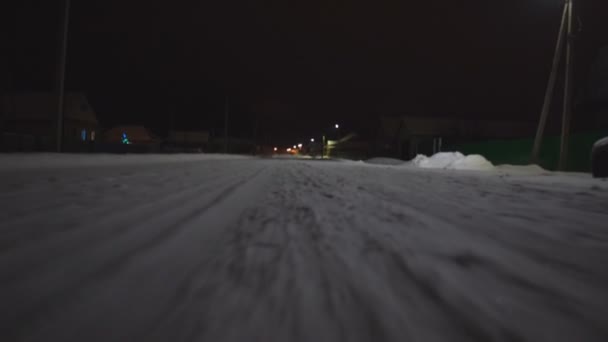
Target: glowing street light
276, 149
288, 150
312, 139
337, 126
300, 145
294, 147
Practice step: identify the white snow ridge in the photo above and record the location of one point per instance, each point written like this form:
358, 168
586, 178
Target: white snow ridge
453, 160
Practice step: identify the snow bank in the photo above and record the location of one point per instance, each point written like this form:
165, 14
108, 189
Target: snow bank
459, 161
473, 162
453, 160
384, 161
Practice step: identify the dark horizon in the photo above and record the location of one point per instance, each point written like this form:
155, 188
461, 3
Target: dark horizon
295, 70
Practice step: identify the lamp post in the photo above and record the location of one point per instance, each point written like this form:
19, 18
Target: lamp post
565, 30
63, 49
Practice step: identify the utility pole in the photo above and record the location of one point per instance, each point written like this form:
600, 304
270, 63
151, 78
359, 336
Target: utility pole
550, 89
256, 122
63, 45
567, 109
323, 147
565, 30
7, 88
226, 111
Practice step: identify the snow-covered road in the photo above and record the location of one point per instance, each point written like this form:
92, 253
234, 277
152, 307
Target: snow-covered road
244, 249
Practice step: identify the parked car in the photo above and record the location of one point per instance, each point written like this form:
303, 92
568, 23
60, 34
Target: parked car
599, 158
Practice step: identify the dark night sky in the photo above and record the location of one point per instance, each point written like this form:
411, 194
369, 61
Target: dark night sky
298, 67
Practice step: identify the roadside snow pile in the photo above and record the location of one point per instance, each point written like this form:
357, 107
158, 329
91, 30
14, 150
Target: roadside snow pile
522, 169
473, 162
384, 161
454, 161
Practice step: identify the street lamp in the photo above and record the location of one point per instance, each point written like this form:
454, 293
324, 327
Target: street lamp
337, 126
300, 145
312, 140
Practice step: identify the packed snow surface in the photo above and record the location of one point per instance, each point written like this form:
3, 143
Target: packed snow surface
219, 248
522, 169
14, 161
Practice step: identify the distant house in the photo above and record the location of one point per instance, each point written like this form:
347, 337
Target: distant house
130, 135
30, 121
406, 136
231, 145
188, 139
350, 146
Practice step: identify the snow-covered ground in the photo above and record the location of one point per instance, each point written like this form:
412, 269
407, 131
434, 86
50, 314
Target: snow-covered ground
14, 161
202, 248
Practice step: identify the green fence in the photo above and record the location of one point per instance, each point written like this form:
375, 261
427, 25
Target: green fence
518, 152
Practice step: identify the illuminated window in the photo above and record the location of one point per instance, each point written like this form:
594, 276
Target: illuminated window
92, 135
83, 135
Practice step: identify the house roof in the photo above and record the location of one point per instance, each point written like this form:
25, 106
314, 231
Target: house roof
43, 106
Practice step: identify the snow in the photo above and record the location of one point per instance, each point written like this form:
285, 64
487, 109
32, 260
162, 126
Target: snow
472, 162
522, 169
385, 161
228, 248
11, 161
453, 160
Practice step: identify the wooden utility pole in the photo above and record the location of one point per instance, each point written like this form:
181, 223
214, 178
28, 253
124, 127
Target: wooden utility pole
567, 109
550, 89
63, 47
226, 111
256, 122
565, 30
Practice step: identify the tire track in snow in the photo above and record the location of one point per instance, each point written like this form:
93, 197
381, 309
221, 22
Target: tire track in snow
107, 268
404, 285
27, 258
27, 229
184, 253
262, 262
87, 187
332, 253
444, 220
